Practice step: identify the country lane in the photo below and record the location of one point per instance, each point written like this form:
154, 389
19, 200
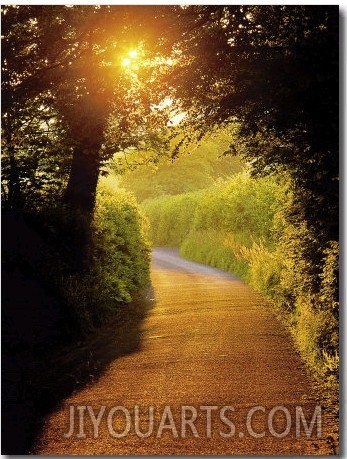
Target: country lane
216, 373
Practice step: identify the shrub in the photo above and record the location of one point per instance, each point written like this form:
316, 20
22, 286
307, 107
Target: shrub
120, 259
264, 268
309, 283
209, 247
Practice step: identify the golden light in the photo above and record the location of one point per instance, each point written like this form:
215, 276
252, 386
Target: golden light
131, 57
126, 62
133, 53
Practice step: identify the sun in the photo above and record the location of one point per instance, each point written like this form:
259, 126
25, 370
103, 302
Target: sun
130, 58
133, 53
126, 62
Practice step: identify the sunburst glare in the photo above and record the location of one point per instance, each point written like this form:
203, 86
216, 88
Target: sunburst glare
130, 58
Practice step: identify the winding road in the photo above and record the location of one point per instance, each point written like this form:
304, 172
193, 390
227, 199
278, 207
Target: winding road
216, 373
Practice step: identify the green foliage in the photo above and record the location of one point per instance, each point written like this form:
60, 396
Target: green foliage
263, 266
35, 158
215, 223
242, 206
210, 247
85, 292
308, 293
231, 226
200, 166
276, 68
120, 247
65, 61
246, 226
171, 218
119, 260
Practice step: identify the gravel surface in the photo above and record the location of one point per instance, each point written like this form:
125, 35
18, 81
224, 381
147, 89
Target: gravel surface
219, 372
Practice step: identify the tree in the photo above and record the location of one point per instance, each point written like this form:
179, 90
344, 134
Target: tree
203, 165
40, 46
274, 69
73, 54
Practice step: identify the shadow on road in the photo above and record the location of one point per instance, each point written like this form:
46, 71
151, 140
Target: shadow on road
43, 359
35, 380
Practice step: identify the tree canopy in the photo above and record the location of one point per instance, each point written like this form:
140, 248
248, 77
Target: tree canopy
197, 168
274, 69
67, 60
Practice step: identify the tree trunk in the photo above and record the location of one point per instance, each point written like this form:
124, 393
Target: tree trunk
80, 192
80, 196
86, 121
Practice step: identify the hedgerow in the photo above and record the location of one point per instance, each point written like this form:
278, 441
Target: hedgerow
245, 226
120, 258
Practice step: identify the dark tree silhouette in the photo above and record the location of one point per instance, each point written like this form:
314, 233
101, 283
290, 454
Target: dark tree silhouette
275, 69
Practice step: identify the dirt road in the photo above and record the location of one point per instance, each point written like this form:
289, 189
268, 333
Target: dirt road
216, 374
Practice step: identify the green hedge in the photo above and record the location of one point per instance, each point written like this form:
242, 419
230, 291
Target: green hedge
171, 218
120, 259
242, 226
